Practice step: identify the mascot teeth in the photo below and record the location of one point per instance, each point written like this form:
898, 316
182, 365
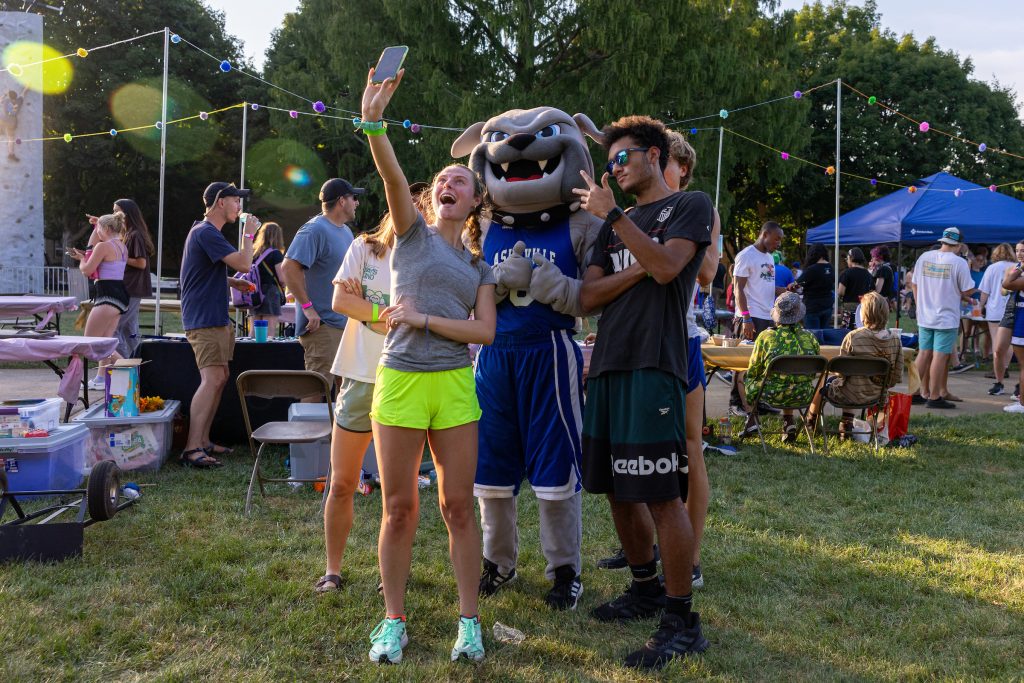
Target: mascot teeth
542, 163
504, 167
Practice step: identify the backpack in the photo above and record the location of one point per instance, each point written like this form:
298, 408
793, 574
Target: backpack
252, 298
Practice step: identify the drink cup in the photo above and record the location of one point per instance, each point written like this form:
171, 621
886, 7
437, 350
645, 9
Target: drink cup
259, 330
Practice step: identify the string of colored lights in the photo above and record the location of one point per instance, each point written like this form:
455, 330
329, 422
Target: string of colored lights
82, 52
830, 170
926, 127
114, 132
724, 113
320, 110
318, 105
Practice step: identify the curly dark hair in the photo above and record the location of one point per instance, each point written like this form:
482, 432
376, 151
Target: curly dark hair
644, 130
815, 253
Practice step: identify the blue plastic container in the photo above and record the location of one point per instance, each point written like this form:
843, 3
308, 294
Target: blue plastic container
45, 463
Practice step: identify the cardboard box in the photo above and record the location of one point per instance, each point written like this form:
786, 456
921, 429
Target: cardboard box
121, 388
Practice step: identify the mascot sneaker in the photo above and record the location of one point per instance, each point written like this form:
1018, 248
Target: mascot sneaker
388, 639
470, 643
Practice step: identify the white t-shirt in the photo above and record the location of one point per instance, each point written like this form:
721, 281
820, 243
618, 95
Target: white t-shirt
992, 284
940, 277
759, 269
360, 348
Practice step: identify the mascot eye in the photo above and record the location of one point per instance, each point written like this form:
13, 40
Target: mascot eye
495, 136
549, 131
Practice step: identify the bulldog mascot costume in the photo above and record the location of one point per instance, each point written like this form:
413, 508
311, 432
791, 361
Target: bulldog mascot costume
530, 380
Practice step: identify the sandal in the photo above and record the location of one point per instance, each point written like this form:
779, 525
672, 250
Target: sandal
202, 461
327, 583
214, 449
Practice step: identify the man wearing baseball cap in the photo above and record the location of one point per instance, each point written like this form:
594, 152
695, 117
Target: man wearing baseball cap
942, 279
309, 267
204, 309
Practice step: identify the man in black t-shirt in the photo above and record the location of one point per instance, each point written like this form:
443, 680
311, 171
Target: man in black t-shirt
642, 273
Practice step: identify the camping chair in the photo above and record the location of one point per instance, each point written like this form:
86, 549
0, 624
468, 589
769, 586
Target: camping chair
805, 366
270, 384
858, 366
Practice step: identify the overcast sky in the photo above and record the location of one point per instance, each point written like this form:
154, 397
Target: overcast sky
988, 31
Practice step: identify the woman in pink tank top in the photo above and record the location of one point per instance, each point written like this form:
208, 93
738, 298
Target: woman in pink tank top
107, 260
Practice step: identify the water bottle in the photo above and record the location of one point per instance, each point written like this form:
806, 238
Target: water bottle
725, 431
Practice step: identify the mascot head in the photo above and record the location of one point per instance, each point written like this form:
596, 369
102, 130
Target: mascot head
529, 159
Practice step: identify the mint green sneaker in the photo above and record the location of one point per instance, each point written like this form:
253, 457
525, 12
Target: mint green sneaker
388, 640
470, 642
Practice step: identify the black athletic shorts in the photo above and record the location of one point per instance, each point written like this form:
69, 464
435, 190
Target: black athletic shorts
634, 436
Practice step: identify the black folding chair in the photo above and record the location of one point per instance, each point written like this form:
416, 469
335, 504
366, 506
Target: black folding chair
783, 366
270, 384
869, 367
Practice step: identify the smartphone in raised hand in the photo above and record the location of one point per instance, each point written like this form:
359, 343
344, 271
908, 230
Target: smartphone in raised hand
391, 60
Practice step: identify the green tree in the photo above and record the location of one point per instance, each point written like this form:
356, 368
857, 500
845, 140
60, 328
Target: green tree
471, 59
120, 87
839, 40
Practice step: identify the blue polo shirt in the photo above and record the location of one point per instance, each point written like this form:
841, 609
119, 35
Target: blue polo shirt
204, 278
320, 246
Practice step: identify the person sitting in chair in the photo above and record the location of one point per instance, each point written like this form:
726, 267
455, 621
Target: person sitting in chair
873, 339
789, 338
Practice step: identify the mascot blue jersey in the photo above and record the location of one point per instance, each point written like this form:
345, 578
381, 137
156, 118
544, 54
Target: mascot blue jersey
519, 314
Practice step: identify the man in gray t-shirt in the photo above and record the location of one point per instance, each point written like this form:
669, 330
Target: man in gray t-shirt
309, 267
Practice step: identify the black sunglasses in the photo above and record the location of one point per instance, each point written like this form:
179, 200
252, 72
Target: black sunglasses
621, 157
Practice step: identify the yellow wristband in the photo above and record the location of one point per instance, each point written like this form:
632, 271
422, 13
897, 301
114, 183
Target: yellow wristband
376, 313
379, 131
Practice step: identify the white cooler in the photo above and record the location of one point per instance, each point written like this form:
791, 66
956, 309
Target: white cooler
312, 460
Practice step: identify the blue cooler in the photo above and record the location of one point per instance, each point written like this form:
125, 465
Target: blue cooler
45, 463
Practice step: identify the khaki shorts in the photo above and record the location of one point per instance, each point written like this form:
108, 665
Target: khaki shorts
320, 348
352, 409
212, 345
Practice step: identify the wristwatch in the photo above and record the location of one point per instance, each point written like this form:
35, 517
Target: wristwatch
614, 215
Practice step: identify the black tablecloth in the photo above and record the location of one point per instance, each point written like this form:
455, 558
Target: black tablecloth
172, 373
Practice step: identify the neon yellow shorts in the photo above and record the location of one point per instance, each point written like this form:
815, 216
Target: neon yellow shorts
424, 400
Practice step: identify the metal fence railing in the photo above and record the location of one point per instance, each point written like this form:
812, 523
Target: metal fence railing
43, 280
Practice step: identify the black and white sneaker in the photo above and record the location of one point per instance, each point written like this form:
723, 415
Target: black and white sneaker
618, 559
492, 579
737, 411
566, 592
996, 390
697, 578
675, 637
960, 367
632, 605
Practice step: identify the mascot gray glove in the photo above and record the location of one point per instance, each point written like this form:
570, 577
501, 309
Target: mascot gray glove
550, 286
513, 273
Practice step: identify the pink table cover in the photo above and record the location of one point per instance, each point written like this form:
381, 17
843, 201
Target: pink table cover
36, 305
27, 349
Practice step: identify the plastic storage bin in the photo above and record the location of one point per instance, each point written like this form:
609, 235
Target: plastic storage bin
37, 413
134, 443
45, 463
310, 461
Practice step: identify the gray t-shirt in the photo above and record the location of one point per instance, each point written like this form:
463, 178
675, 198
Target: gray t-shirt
320, 247
439, 280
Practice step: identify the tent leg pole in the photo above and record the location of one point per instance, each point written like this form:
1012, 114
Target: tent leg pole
835, 269
899, 264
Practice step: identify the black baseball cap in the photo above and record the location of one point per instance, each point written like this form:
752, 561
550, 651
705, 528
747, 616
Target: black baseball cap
336, 188
219, 190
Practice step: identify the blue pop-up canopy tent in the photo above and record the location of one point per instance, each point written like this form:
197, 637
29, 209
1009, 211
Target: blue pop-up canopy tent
984, 217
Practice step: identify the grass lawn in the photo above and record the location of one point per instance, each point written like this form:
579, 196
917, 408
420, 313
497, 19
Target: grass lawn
905, 565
